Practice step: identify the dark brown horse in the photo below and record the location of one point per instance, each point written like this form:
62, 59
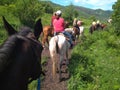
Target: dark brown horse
96, 27
20, 58
103, 26
92, 28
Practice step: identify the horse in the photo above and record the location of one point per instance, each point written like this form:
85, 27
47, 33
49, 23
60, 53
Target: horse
109, 20
47, 31
74, 31
20, 58
96, 27
58, 45
103, 26
92, 28
81, 30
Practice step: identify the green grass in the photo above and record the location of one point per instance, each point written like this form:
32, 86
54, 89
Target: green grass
95, 63
3, 36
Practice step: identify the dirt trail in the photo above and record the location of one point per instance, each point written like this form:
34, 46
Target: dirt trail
48, 83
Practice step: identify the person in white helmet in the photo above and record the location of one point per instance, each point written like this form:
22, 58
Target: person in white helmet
92, 27
98, 25
59, 26
58, 23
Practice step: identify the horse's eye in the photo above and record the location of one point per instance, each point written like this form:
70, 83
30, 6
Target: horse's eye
31, 35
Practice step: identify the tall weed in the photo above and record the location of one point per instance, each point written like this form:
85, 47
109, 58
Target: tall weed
95, 63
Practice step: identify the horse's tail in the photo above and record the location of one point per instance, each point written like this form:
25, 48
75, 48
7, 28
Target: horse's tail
53, 48
57, 47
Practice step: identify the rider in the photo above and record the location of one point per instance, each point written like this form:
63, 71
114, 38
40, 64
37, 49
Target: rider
59, 26
75, 23
98, 25
58, 23
81, 27
79, 23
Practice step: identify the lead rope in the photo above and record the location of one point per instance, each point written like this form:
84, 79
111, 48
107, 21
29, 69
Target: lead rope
38, 84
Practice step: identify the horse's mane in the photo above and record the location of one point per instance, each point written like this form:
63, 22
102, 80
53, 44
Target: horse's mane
7, 50
24, 30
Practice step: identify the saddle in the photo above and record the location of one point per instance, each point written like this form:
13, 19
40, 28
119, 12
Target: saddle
67, 38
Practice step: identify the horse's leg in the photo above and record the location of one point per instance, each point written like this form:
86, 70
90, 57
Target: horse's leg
54, 62
44, 40
60, 66
78, 36
47, 41
67, 59
54, 68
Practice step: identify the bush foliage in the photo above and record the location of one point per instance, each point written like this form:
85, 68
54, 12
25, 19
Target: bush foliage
95, 63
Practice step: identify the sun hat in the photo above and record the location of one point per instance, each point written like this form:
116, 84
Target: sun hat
98, 21
93, 23
79, 22
58, 12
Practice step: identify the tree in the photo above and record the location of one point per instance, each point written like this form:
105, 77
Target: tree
4, 2
93, 18
48, 8
28, 11
116, 17
70, 13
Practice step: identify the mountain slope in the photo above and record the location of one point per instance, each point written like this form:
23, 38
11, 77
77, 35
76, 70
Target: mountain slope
86, 12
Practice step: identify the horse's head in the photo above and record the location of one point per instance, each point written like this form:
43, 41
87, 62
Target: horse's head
66, 24
30, 45
76, 31
103, 26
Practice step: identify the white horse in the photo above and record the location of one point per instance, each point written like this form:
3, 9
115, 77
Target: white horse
70, 30
58, 45
109, 20
81, 30
74, 31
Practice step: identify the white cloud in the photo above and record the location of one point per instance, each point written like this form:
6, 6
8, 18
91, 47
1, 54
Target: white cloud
95, 4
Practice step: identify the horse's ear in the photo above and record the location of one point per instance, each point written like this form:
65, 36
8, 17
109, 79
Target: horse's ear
8, 27
38, 28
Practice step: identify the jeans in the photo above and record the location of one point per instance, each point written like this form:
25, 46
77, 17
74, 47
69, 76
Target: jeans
67, 34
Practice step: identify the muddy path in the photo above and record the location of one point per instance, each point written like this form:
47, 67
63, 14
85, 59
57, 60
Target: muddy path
48, 83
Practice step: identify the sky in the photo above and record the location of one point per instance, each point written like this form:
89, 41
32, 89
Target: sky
92, 4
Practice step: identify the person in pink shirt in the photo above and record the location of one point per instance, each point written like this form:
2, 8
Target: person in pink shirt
58, 23
59, 26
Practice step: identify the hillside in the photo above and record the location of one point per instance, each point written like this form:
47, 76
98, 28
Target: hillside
98, 13
86, 12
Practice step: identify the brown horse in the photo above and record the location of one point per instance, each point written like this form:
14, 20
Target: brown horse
92, 28
96, 27
73, 30
47, 31
76, 33
103, 26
